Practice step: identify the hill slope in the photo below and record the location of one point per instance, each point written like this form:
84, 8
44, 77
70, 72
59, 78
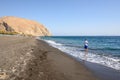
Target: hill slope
22, 26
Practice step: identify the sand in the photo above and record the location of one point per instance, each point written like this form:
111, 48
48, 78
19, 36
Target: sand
25, 58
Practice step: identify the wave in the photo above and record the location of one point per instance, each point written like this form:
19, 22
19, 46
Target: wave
52, 42
108, 61
106, 48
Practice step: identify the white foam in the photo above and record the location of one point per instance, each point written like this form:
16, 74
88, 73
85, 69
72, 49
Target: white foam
100, 59
53, 42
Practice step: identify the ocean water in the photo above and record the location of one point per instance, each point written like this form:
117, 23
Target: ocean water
104, 50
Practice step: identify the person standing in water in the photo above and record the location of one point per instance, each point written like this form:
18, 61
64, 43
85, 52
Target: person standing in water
86, 48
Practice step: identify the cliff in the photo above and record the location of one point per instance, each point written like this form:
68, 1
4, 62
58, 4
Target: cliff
22, 26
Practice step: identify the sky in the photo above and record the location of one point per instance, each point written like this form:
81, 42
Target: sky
68, 17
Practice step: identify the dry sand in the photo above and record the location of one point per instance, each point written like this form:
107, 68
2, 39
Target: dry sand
25, 58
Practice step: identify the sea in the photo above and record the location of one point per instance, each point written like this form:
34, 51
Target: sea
103, 50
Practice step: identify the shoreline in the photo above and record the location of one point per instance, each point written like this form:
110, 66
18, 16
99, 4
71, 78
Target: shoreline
31, 59
61, 66
100, 71
103, 72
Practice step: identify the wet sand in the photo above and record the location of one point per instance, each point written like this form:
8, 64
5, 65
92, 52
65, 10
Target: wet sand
103, 72
25, 58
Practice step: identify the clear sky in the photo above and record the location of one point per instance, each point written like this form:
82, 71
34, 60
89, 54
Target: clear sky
68, 17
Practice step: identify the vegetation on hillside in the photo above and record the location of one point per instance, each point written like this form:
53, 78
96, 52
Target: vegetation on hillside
8, 33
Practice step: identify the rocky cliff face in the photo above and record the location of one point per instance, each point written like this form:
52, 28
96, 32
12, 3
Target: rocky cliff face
23, 26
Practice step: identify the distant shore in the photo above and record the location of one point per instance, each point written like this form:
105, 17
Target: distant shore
30, 59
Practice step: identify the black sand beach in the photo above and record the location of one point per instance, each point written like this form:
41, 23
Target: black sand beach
30, 59
25, 58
